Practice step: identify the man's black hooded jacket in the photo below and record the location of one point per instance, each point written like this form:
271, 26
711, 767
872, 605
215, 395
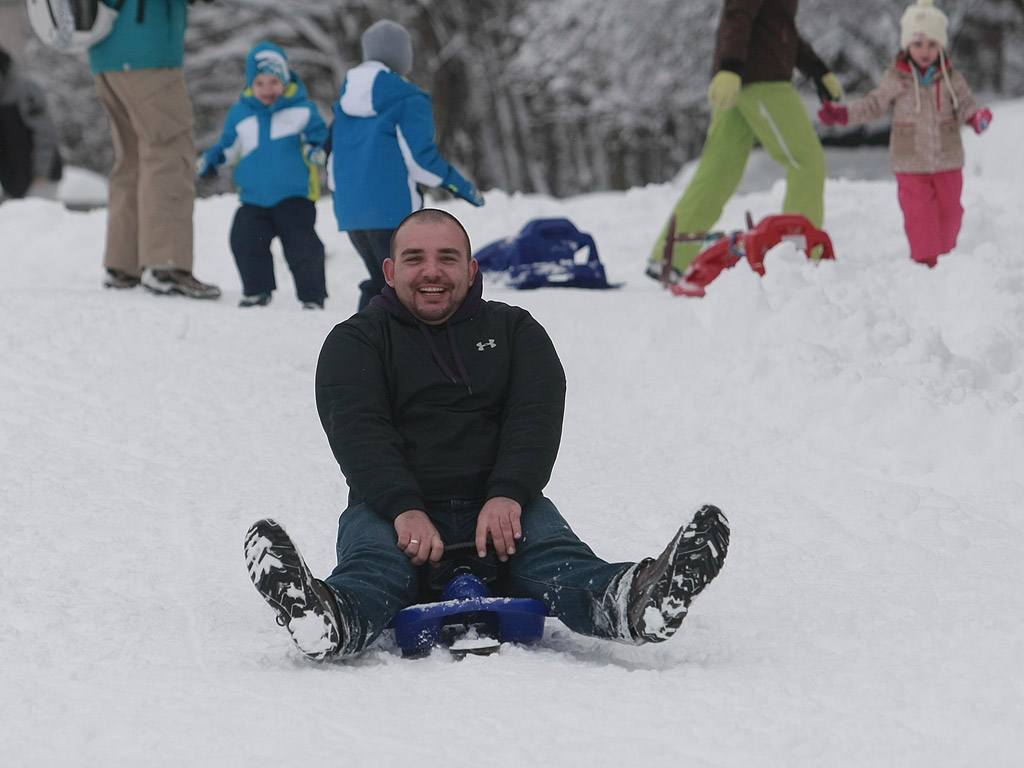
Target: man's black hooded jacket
418, 414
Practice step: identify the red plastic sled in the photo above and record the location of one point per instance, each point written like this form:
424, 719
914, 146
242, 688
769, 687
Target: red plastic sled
753, 244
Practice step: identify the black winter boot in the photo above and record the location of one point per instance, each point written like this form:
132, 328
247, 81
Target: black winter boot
304, 605
660, 590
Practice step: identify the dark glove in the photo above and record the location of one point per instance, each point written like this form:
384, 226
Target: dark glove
205, 167
469, 193
472, 195
833, 114
457, 184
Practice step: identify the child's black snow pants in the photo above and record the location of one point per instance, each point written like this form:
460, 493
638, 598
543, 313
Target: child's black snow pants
293, 221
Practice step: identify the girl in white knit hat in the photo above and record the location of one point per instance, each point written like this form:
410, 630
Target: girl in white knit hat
929, 100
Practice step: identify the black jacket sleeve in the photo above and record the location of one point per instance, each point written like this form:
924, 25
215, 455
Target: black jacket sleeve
808, 63
353, 400
531, 426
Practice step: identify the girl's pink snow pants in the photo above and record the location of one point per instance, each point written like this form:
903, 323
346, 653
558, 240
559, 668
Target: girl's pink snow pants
931, 212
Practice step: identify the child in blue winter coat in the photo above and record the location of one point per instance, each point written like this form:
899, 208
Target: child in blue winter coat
384, 150
275, 135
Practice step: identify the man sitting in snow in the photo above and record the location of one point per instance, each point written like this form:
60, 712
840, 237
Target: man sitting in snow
444, 412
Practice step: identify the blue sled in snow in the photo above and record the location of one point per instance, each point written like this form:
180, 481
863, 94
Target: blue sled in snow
546, 252
468, 620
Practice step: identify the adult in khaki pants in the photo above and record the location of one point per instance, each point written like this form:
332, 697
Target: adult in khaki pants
141, 84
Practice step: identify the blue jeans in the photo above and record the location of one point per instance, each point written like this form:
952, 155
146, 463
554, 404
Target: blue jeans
374, 579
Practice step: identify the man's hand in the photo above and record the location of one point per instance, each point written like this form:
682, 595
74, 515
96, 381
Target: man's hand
418, 537
499, 521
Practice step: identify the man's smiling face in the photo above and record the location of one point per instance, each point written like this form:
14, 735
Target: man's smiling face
430, 268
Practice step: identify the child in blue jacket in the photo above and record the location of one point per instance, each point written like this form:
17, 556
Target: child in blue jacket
275, 135
384, 151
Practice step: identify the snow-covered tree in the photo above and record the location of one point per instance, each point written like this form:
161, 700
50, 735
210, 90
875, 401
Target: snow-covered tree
555, 96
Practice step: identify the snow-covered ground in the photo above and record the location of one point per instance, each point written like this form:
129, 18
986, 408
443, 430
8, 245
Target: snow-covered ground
861, 422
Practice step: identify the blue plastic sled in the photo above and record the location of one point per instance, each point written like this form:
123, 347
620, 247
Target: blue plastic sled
467, 610
546, 252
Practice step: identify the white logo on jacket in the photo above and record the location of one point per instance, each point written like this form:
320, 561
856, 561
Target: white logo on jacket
482, 345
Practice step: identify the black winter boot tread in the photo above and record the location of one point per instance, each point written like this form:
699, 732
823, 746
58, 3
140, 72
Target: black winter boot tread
662, 589
304, 605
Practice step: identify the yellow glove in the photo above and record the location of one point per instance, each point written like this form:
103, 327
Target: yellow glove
724, 89
830, 83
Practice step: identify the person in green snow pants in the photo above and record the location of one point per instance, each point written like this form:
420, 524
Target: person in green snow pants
754, 100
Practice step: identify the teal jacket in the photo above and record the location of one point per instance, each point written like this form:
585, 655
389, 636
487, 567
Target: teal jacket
148, 34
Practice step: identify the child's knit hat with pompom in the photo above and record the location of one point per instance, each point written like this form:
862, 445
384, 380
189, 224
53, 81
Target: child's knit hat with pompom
923, 21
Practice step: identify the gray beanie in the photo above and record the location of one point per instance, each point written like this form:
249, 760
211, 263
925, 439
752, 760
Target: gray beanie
389, 43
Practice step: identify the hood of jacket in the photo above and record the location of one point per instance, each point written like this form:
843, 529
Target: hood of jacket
905, 65
389, 302
372, 88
